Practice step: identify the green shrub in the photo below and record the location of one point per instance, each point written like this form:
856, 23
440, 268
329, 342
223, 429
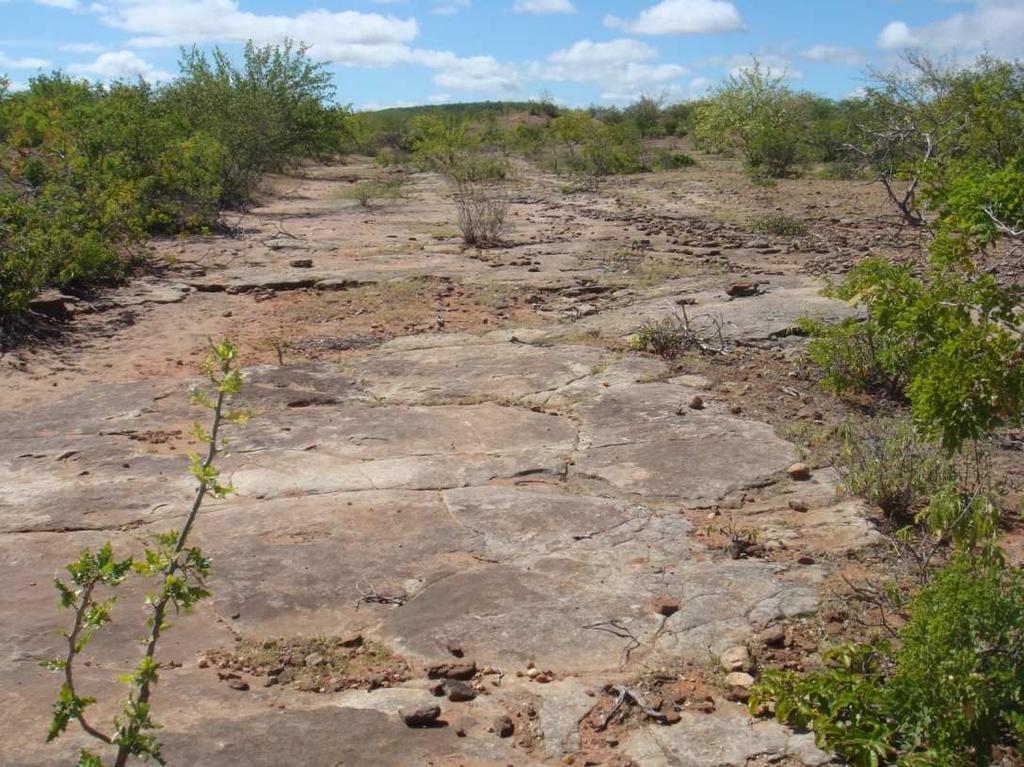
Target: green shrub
368, 192
887, 462
668, 160
86, 170
779, 224
179, 572
479, 168
842, 170
755, 114
950, 693
948, 342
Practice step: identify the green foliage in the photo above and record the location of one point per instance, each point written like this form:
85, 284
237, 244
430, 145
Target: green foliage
667, 160
440, 140
949, 342
755, 114
947, 695
180, 571
888, 463
368, 192
667, 338
779, 224
88, 170
946, 141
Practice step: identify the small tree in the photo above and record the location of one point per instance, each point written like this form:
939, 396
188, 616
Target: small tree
754, 113
180, 570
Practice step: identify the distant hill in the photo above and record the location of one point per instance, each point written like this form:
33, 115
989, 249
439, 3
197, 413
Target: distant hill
463, 108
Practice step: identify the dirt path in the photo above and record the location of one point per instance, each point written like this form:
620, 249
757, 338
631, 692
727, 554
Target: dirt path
458, 452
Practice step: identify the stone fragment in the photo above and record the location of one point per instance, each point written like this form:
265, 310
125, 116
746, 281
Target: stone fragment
742, 289
419, 716
301, 263
738, 694
455, 649
735, 659
799, 472
452, 671
459, 692
739, 679
503, 726
773, 636
238, 684
798, 506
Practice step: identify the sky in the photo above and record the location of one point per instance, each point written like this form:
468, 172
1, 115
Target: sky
402, 52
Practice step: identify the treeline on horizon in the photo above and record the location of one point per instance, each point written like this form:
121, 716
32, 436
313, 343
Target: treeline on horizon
88, 170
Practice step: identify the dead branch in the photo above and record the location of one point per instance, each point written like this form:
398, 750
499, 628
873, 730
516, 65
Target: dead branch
615, 628
626, 694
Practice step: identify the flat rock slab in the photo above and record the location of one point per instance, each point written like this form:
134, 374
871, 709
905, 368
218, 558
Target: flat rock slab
774, 312
726, 738
493, 371
644, 439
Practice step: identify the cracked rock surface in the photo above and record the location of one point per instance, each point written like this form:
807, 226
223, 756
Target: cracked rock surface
511, 489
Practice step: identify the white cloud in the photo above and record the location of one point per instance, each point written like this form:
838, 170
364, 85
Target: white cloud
68, 5
682, 17
28, 62
698, 86
994, 26
345, 37
120, 65
544, 6
450, 7
834, 54
624, 68
82, 48
482, 74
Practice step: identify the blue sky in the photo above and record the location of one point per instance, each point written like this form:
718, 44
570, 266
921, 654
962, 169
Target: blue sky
396, 52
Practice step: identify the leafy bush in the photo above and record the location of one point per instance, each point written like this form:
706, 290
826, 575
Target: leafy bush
949, 695
755, 114
667, 160
949, 342
87, 170
779, 224
887, 462
479, 168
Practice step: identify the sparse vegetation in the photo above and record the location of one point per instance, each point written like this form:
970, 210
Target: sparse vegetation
369, 193
678, 334
180, 570
483, 212
887, 462
946, 688
779, 225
